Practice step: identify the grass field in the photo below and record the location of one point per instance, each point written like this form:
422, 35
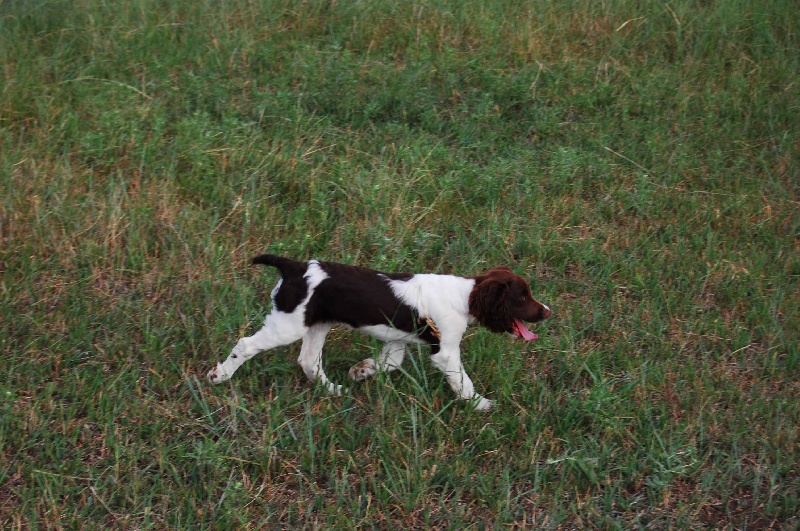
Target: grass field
638, 161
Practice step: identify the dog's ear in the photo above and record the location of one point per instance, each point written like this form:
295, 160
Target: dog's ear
488, 305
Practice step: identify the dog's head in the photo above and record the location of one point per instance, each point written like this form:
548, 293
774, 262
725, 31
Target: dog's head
501, 301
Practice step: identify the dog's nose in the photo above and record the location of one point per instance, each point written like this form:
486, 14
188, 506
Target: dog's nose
547, 313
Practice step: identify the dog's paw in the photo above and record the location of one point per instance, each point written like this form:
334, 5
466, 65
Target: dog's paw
217, 375
482, 404
363, 369
335, 390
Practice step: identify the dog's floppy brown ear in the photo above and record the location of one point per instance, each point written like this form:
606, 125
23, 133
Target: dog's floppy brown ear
487, 303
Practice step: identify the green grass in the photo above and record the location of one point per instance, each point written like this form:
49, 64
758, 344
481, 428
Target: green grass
638, 161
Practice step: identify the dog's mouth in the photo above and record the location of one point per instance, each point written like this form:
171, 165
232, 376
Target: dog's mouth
521, 331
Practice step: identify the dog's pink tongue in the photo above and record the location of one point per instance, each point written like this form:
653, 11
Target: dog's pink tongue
523, 332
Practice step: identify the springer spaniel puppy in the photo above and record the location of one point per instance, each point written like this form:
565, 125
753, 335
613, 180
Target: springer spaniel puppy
398, 308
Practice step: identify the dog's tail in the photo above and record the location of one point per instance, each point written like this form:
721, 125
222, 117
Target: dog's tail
287, 266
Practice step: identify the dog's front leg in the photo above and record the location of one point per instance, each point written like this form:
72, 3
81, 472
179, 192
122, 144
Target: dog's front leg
448, 360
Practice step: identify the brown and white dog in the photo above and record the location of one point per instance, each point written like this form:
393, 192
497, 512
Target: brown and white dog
398, 308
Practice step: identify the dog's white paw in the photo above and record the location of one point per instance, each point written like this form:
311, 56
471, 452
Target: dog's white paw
363, 369
217, 375
482, 404
335, 390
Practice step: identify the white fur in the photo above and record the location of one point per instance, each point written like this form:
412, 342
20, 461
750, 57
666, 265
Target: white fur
442, 298
445, 299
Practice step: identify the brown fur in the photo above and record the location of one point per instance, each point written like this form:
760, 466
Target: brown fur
500, 296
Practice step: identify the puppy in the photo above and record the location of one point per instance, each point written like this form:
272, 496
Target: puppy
398, 308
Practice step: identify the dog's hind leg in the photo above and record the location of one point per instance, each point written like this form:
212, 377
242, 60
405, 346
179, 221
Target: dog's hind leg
391, 358
310, 358
279, 329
